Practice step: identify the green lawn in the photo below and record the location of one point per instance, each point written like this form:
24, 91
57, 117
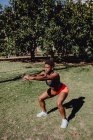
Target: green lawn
19, 104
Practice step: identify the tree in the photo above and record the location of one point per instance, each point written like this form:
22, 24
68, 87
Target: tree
61, 29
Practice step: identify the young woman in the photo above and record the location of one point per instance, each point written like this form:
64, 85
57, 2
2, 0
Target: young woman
56, 87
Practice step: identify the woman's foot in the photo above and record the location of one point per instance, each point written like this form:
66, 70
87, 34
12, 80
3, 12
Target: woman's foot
41, 114
64, 123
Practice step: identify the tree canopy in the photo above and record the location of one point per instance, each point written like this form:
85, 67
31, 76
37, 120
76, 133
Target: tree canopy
60, 28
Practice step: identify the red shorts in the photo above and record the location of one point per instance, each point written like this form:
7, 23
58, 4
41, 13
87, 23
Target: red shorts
63, 88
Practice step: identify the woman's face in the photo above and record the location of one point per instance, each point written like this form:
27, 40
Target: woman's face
48, 68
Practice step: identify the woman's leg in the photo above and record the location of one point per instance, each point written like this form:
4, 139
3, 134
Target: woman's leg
42, 99
62, 96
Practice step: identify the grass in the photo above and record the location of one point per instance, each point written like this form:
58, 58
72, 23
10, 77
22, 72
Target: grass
19, 104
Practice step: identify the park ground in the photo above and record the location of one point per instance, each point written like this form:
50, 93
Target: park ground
19, 104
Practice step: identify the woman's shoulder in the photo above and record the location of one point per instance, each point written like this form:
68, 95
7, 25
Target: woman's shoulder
55, 73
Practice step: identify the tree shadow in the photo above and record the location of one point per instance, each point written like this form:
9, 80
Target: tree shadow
75, 104
12, 79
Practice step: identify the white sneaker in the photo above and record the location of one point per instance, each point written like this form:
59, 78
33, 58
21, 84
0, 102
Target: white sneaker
64, 123
41, 114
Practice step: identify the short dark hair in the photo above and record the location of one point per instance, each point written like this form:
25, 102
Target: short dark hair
50, 62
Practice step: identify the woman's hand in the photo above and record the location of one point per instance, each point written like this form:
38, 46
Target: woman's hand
31, 77
27, 77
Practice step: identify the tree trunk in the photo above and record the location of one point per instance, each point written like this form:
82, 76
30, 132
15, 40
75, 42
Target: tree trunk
32, 50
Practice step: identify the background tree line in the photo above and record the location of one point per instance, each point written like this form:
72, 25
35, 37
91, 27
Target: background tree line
59, 28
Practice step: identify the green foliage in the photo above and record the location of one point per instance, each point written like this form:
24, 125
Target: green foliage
60, 28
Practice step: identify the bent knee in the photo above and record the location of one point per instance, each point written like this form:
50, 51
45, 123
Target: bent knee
39, 98
59, 104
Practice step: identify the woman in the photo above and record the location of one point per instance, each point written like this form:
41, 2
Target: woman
56, 87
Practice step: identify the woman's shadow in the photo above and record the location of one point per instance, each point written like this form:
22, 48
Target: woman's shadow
75, 104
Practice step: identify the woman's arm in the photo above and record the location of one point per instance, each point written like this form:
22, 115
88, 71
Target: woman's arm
44, 77
30, 77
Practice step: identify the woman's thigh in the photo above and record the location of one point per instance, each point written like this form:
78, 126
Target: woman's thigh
61, 97
44, 96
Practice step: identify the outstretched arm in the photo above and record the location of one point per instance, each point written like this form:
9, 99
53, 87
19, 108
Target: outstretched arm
30, 77
42, 77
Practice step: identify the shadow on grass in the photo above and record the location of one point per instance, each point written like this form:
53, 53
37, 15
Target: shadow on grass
75, 104
12, 79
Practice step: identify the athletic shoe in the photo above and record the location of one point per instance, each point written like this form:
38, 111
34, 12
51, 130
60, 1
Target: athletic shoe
41, 114
64, 123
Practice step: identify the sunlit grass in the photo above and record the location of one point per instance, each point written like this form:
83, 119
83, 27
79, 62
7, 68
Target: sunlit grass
19, 105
